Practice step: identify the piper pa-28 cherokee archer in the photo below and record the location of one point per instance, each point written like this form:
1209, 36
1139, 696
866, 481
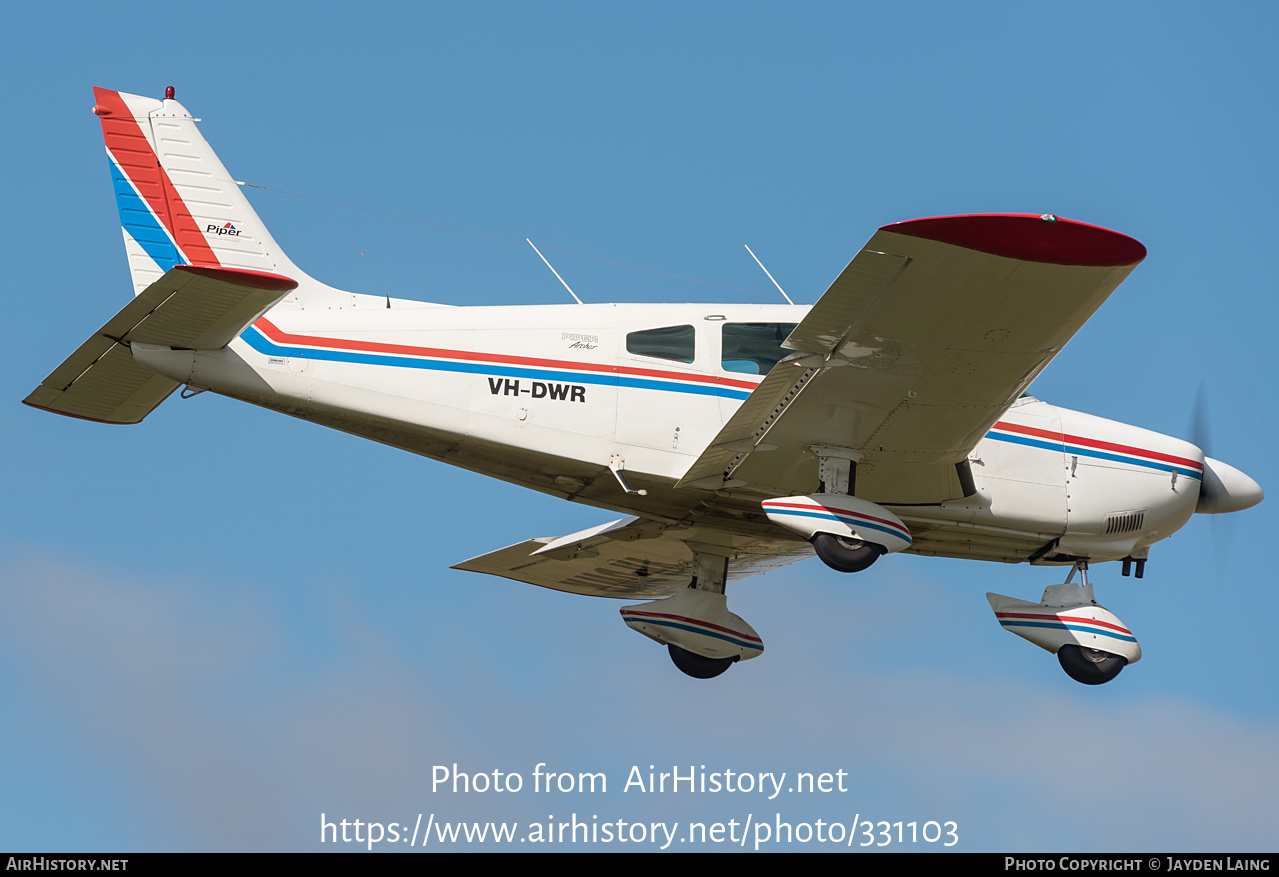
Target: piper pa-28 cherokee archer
889, 416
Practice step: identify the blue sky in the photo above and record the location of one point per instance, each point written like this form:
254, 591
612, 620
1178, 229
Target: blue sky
221, 623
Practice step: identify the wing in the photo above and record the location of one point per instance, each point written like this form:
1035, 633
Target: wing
631, 558
919, 345
190, 307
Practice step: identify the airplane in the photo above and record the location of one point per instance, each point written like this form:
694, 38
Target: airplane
891, 416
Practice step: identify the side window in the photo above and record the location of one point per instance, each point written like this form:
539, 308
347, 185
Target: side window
672, 342
754, 348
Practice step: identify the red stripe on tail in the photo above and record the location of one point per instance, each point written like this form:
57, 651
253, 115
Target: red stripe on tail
138, 161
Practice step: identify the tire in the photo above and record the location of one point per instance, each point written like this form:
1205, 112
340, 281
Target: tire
845, 554
1090, 666
697, 666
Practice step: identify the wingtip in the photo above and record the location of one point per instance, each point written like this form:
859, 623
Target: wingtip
1028, 237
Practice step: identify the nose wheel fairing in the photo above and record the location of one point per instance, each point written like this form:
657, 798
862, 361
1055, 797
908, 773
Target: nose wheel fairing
1091, 643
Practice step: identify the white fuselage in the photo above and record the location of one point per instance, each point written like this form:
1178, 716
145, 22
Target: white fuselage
549, 396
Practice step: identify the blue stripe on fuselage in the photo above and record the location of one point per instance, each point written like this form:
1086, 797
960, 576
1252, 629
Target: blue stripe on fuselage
262, 344
1089, 452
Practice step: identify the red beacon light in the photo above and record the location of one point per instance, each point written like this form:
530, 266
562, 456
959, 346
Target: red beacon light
168, 92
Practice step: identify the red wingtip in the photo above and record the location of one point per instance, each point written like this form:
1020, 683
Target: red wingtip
1029, 237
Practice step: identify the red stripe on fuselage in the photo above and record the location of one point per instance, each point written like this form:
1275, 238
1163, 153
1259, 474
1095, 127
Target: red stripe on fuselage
270, 330
132, 151
1098, 444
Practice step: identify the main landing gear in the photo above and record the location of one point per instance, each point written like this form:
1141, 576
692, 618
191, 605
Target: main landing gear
1091, 643
697, 666
847, 532
703, 638
846, 553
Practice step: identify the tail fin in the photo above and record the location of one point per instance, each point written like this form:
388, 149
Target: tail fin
203, 265
178, 205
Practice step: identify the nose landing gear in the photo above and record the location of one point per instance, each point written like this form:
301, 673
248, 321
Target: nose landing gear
1091, 643
1090, 666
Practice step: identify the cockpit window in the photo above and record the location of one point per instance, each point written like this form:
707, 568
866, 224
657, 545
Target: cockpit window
754, 348
671, 342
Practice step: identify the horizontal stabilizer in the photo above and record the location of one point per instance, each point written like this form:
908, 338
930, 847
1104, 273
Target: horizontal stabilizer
189, 308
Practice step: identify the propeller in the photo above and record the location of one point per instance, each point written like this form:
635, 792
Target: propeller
1222, 536
1199, 420
1224, 488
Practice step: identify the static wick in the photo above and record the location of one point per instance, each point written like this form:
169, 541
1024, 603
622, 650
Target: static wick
553, 271
770, 276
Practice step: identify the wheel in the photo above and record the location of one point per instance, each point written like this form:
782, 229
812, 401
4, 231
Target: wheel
697, 666
845, 554
1089, 666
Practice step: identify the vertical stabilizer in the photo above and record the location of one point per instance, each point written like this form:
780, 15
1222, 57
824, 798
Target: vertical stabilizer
178, 205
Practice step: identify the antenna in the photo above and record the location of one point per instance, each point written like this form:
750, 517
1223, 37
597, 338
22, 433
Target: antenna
556, 273
379, 276
770, 277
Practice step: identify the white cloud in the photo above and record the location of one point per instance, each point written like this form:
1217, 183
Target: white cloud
238, 725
